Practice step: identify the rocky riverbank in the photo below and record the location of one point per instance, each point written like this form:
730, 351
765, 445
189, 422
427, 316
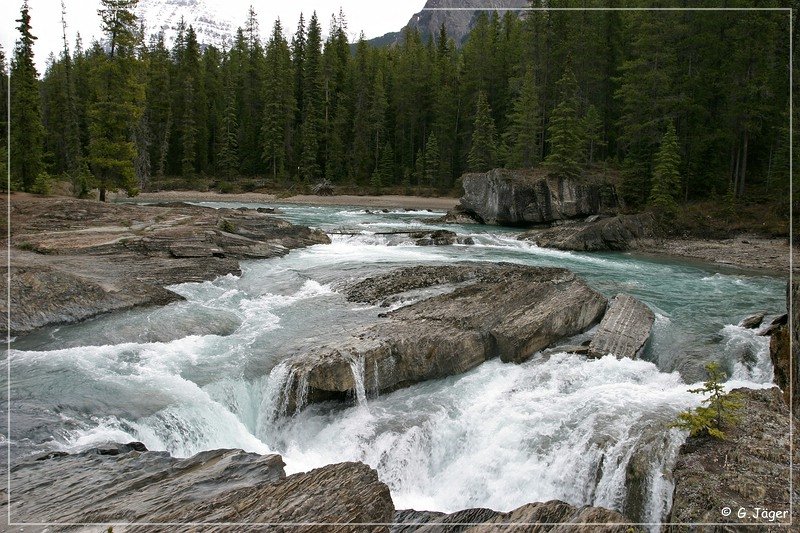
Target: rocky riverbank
74, 259
126, 484
748, 471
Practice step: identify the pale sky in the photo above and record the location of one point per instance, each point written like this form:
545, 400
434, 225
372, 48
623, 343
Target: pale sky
375, 18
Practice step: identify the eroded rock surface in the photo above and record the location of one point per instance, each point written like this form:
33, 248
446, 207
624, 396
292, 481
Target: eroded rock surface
747, 470
127, 484
783, 352
624, 329
517, 198
74, 259
617, 233
530, 518
492, 310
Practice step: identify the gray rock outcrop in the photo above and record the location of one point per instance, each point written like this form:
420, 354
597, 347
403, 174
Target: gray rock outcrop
617, 233
624, 329
74, 259
753, 321
121, 483
516, 198
531, 518
785, 353
747, 470
493, 310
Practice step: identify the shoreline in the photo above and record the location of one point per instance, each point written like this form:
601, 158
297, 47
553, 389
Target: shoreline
387, 201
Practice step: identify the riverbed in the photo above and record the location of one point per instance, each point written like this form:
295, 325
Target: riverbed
206, 373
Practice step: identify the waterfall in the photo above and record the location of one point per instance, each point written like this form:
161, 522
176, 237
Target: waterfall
357, 367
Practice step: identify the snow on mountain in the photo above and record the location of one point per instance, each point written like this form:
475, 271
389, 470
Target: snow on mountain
214, 22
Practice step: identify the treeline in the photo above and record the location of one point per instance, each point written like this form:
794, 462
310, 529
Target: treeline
686, 104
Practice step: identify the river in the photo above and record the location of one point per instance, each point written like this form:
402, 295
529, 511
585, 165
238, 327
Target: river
205, 373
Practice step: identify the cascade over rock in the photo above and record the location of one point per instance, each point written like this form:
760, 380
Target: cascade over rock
517, 198
495, 310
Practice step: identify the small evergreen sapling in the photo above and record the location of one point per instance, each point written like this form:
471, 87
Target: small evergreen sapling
719, 410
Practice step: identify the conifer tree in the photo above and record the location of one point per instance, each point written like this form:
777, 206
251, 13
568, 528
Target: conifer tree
593, 128
524, 132
483, 151
3, 116
432, 161
27, 133
313, 103
666, 175
228, 157
565, 130
278, 103
74, 162
118, 101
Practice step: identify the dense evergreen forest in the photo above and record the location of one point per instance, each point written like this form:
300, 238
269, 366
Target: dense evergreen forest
680, 105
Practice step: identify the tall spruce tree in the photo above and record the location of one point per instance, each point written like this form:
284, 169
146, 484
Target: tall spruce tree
565, 130
27, 133
228, 157
279, 104
483, 151
313, 104
666, 175
118, 100
525, 128
433, 163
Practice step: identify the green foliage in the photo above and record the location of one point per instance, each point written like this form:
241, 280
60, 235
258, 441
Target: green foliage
572, 86
117, 102
42, 184
718, 412
523, 136
27, 133
566, 130
483, 149
227, 226
666, 185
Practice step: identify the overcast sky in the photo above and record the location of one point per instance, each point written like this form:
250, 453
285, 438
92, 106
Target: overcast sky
375, 18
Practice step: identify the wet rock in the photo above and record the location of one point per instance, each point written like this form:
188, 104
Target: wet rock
596, 233
785, 351
532, 517
747, 470
434, 238
493, 310
458, 216
517, 198
773, 326
624, 330
752, 322
132, 485
74, 259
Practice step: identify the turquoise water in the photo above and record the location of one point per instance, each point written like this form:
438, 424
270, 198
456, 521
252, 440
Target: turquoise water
206, 373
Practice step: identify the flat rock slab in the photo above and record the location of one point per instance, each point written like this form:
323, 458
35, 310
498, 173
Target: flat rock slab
73, 259
491, 310
120, 483
624, 330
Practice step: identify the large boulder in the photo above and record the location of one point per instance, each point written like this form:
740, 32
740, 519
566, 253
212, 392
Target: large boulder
596, 234
516, 198
127, 483
747, 471
553, 516
490, 310
624, 330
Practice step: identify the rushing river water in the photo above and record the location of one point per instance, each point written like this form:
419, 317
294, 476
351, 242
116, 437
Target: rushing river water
205, 373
